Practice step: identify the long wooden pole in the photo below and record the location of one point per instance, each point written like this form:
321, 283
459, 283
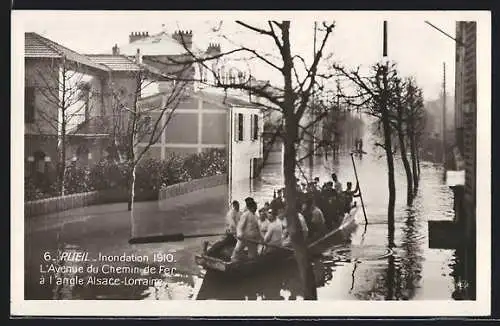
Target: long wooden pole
360, 195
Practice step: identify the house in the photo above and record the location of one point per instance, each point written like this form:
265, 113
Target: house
461, 176
70, 102
54, 79
465, 121
204, 117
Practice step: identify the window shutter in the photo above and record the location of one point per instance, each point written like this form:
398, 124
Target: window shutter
252, 127
255, 133
29, 105
240, 127
236, 125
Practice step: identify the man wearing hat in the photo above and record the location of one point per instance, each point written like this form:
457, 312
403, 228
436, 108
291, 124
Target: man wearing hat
247, 231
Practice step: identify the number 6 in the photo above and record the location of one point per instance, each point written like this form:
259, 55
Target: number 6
46, 256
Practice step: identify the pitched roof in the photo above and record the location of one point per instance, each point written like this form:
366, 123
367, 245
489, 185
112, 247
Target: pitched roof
37, 46
115, 62
94, 126
220, 97
124, 63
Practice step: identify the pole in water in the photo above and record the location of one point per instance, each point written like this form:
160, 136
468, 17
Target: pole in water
360, 195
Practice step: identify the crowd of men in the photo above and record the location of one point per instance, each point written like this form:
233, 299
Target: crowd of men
320, 208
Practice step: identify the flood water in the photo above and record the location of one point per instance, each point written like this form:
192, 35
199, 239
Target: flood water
368, 268
365, 267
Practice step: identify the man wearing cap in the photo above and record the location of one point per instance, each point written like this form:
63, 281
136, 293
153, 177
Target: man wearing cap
247, 232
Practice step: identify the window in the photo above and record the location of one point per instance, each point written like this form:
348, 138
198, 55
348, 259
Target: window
148, 124
240, 126
29, 104
255, 127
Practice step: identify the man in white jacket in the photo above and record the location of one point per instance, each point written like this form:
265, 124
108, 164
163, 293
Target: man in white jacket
233, 217
247, 232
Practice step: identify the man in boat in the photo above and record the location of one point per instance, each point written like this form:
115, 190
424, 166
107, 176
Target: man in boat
274, 235
349, 194
232, 217
247, 232
263, 221
286, 239
337, 185
280, 197
317, 224
303, 225
316, 183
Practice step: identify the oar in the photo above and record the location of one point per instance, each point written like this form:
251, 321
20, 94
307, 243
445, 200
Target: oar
170, 237
357, 181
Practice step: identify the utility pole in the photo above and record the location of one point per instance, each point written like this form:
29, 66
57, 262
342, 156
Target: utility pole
444, 114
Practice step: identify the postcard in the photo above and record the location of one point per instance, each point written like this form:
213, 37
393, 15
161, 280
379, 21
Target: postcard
332, 163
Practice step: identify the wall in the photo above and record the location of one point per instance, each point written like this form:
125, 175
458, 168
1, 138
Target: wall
57, 204
243, 151
193, 185
197, 124
469, 111
43, 75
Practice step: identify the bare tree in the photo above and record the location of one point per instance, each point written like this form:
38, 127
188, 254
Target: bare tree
293, 101
67, 101
374, 94
138, 126
400, 125
415, 122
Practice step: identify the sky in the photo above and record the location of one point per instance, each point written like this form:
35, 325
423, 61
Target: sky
418, 49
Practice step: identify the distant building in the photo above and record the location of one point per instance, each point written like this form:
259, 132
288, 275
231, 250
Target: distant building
466, 114
206, 117
463, 182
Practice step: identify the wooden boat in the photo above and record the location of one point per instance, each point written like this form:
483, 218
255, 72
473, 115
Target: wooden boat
217, 257
358, 152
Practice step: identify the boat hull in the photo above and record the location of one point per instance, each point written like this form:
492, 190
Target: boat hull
212, 260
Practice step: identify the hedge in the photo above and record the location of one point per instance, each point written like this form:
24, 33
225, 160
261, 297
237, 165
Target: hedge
151, 175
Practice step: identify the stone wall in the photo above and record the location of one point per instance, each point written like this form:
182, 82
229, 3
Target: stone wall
193, 185
62, 203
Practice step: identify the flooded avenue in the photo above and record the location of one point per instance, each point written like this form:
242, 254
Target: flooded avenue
364, 268
367, 268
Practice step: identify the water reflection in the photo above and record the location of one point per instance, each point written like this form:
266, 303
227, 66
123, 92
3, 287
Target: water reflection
380, 262
371, 264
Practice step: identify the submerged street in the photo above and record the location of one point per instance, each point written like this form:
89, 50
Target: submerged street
364, 269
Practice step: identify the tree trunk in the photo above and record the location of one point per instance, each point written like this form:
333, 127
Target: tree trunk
404, 157
389, 156
298, 242
62, 158
130, 190
131, 146
62, 136
291, 132
413, 151
131, 200
417, 153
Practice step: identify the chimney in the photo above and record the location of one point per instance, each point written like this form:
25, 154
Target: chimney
185, 38
213, 49
135, 36
138, 56
116, 50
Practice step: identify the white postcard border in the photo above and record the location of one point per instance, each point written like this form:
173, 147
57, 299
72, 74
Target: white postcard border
481, 306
